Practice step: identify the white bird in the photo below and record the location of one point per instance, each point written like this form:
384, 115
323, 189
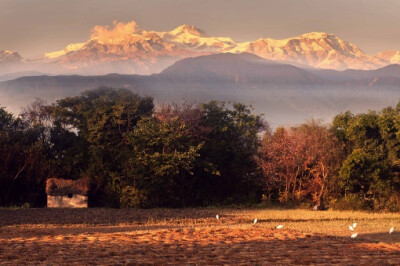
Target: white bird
255, 221
351, 227
279, 226
217, 217
391, 230
354, 235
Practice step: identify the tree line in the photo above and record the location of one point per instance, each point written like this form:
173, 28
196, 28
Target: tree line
179, 155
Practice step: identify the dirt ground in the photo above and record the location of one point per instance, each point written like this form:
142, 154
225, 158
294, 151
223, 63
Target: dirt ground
195, 236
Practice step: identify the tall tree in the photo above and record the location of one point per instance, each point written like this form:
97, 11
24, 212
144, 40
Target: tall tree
371, 169
299, 163
102, 118
23, 164
164, 157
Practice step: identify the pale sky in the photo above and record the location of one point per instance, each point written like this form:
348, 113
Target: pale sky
33, 27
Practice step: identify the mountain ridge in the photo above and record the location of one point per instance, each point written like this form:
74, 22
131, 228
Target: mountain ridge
285, 93
232, 66
127, 49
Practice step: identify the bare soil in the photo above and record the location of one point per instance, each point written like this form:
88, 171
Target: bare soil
194, 236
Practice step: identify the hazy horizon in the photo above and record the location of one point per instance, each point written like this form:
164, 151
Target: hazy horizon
33, 27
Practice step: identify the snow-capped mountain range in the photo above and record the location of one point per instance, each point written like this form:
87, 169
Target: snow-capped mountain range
127, 49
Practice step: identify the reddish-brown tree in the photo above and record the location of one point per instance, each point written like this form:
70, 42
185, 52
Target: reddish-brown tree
298, 163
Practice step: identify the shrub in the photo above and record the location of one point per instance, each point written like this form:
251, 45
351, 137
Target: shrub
132, 198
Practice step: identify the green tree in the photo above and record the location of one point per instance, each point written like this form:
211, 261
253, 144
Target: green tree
229, 170
371, 169
164, 157
101, 120
23, 162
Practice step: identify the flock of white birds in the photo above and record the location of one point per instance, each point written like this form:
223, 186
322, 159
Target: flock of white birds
354, 235
351, 227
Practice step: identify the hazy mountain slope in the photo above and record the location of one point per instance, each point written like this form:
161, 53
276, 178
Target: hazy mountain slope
18, 93
284, 93
230, 69
242, 68
19, 74
354, 75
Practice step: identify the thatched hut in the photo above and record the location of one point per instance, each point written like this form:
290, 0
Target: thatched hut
64, 193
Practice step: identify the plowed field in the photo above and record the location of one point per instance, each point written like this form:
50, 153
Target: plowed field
195, 236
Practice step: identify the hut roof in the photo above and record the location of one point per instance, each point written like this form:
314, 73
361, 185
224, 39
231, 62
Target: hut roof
63, 187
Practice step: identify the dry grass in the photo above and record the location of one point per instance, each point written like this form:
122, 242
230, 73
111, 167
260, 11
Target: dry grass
162, 236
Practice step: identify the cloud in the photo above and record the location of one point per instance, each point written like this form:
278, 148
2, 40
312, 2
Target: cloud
120, 31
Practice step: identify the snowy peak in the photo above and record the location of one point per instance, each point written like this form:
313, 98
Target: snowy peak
125, 48
70, 48
314, 35
188, 29
315, 49
393, 57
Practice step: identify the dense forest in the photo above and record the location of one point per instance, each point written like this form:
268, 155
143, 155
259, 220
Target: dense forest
182, 155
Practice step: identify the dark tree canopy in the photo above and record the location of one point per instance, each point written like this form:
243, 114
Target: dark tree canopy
180, 155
